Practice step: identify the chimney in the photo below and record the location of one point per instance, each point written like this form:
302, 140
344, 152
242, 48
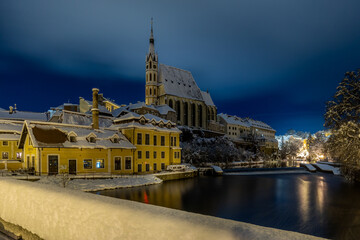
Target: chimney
95, 109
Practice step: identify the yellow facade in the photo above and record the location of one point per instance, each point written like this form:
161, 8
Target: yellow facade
154, 149
11, 155
115, 161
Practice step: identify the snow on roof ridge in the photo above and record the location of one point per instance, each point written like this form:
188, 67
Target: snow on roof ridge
175, 68
85, 114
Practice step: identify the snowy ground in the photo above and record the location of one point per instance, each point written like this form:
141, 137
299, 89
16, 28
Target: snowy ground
58, 213
328, 168
101, 184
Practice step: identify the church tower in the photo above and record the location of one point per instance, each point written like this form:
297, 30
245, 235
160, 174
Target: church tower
151, 63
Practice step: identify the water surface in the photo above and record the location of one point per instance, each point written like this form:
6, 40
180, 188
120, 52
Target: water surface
318, 204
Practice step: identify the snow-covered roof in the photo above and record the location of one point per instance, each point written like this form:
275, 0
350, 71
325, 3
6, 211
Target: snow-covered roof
56, 135
156, 118
178, 82
8, 126
149, 126
247, 122
164, 109
84, 119
134, 106
21, 115
207, 99
117, 112
234, 120
130, 115
259, 124
9, 136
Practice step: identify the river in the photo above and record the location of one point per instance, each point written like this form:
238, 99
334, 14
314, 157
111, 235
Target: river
319, 204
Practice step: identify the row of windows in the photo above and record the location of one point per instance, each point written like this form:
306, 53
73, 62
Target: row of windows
147, 154
5, 155
147, 139
100, 163
149, 92
151, 65
173, 141
147, 167
151, 77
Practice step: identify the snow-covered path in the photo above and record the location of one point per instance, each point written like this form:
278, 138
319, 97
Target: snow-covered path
58, 213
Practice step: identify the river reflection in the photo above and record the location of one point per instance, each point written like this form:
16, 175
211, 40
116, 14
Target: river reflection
318, 204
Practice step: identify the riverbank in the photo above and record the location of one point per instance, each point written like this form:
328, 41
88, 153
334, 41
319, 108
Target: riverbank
88, 185
57, 213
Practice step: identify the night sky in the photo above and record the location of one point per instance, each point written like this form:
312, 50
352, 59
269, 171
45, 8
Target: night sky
277, 61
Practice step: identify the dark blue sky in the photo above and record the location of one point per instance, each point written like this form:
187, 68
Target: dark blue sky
277, 61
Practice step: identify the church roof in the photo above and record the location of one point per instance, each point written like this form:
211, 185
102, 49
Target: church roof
207, 99
179, 82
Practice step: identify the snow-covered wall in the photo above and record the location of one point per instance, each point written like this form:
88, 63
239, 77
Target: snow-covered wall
58, 213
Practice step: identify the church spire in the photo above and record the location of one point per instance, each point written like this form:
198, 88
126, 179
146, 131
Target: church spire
151, 41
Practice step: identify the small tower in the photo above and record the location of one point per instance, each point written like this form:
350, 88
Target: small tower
151, 77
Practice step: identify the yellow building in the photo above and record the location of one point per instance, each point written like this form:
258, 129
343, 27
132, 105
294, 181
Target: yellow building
52, 148
11, 155
157, 141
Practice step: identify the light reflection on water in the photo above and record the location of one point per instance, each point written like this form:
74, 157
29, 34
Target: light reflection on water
317, 204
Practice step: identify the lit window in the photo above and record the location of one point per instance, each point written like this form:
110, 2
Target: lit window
18, 155
87, 164
100, 163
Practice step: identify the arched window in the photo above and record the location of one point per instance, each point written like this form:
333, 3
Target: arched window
178, 110
200, 115
186, 113
171, 104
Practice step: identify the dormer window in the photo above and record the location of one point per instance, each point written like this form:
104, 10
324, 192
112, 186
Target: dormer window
161, 124
91, 138
72, 137
115, 138
168, 125
142, 120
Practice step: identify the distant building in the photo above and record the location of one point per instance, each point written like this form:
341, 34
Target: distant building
11, 155
166, 85
246, 131
14, 114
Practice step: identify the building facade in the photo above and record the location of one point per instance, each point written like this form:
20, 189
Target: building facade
11, 156
157, 141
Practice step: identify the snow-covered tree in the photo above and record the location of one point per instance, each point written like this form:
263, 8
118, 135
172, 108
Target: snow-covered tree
290, 148
342, 117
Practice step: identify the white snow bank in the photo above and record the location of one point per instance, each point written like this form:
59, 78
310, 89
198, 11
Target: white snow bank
328, 168
102, 184
59, 213
310, 167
